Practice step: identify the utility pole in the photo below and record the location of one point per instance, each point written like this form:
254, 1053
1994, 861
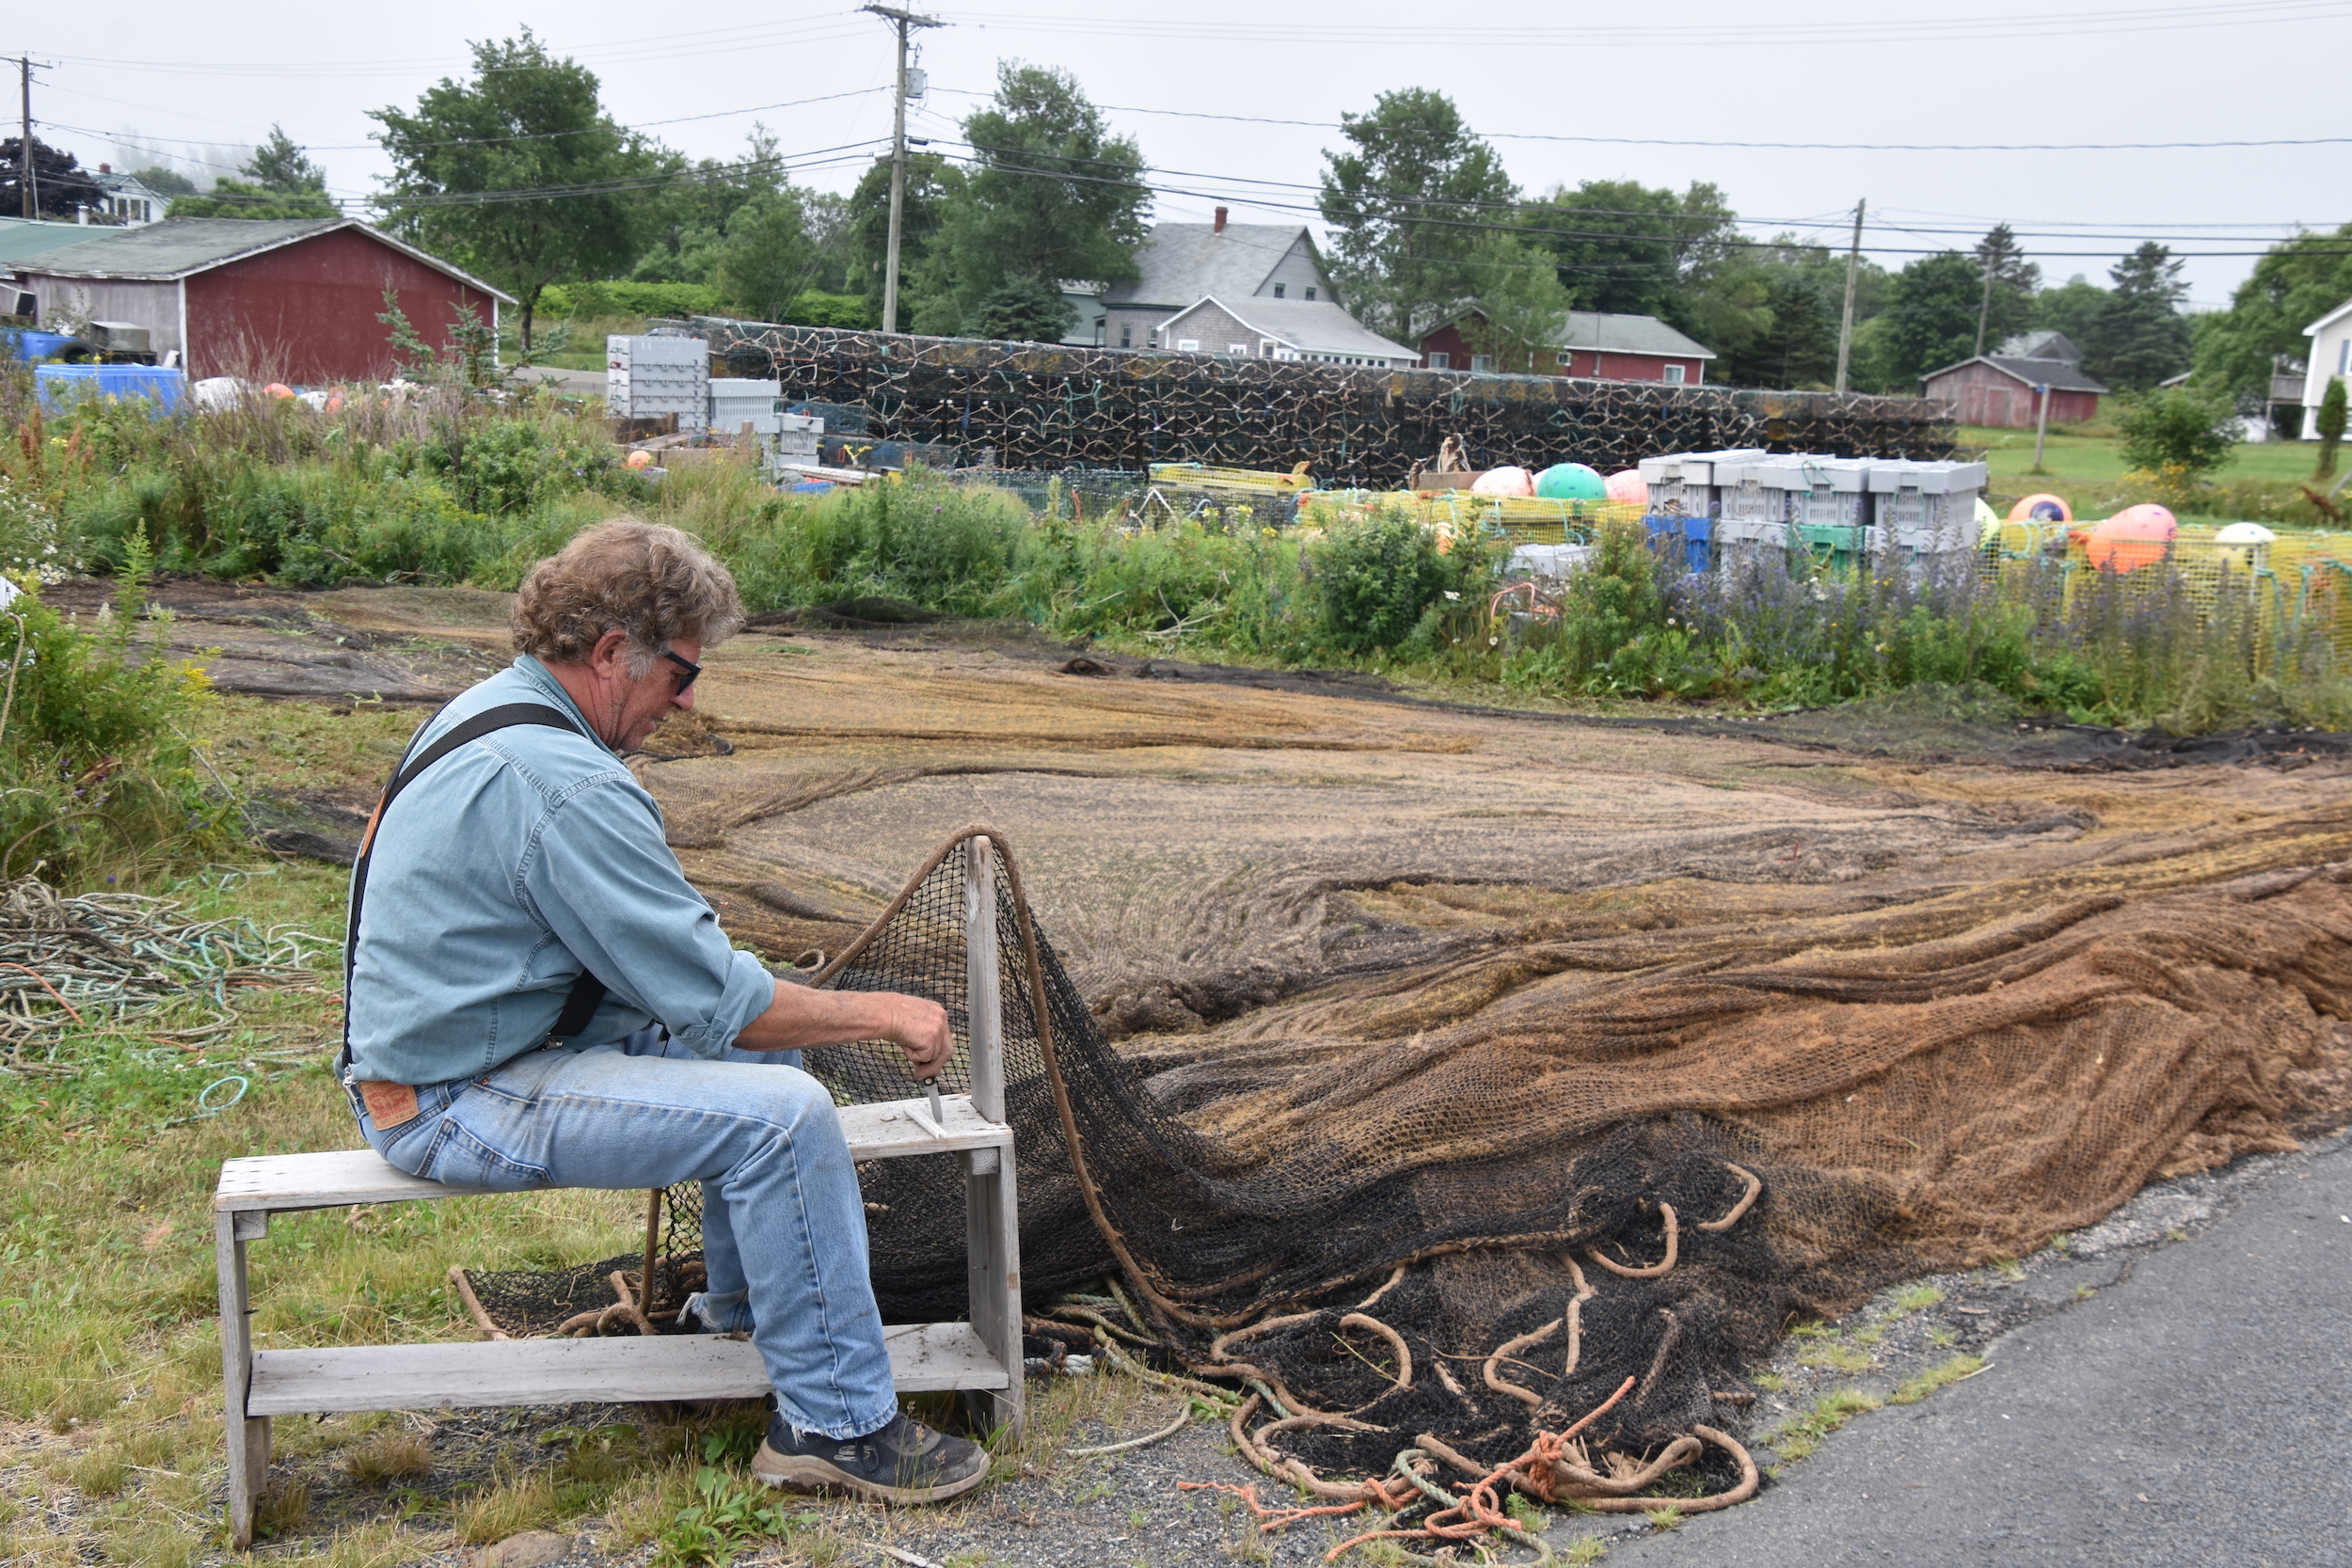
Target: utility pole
902, 21
24, 147
1984, 311
1845, 327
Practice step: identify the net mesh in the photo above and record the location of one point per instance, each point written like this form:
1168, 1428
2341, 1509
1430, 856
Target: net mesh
1406, 1210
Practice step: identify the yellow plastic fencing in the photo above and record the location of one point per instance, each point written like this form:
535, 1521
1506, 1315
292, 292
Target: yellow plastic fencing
1200, 476
1521, 519
2295, 582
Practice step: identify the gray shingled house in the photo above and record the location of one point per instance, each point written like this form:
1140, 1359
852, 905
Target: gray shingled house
1253, 289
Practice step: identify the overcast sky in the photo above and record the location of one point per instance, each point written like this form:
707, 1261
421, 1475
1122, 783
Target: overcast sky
205, 82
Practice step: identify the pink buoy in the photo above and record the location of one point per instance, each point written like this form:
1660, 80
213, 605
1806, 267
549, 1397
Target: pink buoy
1627, 485
1503, 481
638, 460
2133, 537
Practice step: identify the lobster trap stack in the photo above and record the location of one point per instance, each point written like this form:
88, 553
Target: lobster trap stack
1047, 406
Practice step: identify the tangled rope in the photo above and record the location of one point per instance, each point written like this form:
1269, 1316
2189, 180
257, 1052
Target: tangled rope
1555, 1467
105, 960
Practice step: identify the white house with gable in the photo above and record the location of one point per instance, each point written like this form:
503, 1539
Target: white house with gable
2330, 359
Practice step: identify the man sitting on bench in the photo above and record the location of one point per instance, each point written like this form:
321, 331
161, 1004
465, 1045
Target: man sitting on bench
538, 998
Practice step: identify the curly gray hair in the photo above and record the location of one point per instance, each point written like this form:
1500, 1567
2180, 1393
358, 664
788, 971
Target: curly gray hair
652, 582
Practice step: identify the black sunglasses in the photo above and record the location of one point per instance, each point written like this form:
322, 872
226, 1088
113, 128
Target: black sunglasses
688, 665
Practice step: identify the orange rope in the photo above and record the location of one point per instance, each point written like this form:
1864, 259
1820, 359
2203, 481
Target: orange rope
52, 991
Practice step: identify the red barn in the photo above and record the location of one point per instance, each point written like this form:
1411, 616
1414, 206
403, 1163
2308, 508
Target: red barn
1597, 343
293, 301
2002, 389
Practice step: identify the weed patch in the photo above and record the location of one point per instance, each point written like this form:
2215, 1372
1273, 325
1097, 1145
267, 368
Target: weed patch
1940, 1376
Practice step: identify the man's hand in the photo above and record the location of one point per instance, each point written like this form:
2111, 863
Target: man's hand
799, 1017
919, 1028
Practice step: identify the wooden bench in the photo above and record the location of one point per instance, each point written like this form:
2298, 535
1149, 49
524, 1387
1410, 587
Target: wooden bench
981, 1356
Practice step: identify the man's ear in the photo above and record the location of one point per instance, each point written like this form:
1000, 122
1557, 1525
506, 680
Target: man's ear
607, 654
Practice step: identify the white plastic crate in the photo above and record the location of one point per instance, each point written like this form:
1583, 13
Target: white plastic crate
737, 402
1689, 483
1548, 562
1927, 508
647, 350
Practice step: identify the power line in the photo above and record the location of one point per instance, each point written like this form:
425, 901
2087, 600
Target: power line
1547, 205
1743, 146
628, 52
1741, 243
1778, 32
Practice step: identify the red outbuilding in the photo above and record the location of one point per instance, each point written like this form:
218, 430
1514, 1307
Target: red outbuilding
295, 301
2005, 388
1612, 347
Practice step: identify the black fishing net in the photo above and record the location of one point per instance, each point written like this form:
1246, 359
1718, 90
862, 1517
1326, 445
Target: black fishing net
1473, 1201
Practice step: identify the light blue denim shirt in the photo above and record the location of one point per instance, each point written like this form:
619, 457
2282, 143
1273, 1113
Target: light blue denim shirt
502, 870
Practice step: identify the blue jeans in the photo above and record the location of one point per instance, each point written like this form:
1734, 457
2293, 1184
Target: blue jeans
784, 1226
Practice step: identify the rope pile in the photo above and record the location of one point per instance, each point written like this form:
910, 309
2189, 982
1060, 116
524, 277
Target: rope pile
104, 961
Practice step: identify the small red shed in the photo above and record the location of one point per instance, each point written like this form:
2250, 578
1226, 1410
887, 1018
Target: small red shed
1609, 346
2000, 390
292, 300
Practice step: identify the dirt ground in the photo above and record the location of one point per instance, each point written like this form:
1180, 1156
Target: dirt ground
1209, 849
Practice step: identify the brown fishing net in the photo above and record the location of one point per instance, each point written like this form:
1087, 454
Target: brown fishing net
1472, 1071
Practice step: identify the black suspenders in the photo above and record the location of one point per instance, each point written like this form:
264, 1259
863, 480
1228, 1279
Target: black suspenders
587, 991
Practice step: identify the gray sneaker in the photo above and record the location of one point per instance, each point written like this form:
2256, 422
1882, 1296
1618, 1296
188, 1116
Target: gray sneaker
905, 1462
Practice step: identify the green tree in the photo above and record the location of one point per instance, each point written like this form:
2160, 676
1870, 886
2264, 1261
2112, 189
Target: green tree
2138, 337
1628, 248
165, 181
2005, 298
1406, 203
278, 164
2301, 280
239, 199
62, 186
931, 181
280, 181
1023, 310
1804, 296
1930, 321
2331, 424
514, 174
2179, 428
685, 221
768, 258
1053, 194
1522, 310
2072, 307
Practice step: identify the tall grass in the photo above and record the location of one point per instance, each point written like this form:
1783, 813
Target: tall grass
440, 485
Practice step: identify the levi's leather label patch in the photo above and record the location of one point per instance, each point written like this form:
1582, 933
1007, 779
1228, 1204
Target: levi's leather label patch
388, 1105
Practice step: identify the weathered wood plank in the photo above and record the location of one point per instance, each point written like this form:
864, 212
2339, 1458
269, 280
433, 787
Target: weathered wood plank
924, 1358
281, 1182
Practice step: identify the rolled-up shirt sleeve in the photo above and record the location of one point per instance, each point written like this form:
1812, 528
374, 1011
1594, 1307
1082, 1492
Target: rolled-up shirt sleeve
600, 878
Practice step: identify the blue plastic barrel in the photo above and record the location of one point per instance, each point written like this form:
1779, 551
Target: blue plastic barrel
62, 385
23, 342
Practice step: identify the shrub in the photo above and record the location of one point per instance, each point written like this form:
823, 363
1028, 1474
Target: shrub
2175, 427
95, 769
2331, 424
1382, 581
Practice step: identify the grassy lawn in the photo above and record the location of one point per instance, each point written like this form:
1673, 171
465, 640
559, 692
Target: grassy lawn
2073, 457
2085, 464
110, 1403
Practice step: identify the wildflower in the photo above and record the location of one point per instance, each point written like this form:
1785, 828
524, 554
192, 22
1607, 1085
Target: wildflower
1450, 594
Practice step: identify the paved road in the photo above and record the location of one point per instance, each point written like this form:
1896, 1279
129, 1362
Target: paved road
2198, 1412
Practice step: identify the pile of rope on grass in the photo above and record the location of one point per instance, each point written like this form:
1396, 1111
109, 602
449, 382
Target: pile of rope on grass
98, 965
